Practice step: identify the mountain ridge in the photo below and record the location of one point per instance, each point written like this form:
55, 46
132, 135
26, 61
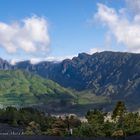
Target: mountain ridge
112, 74
115, 75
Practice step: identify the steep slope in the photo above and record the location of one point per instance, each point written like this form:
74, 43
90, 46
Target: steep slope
23, 88
112, 74
109, 75
4, 65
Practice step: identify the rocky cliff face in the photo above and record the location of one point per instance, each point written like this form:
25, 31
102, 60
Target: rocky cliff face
4, 65
101, 68
112, 74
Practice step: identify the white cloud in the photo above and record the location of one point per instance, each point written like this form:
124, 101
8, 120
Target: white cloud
29, 35
94, 50
14, 61
125, 31
36, 60
50, 58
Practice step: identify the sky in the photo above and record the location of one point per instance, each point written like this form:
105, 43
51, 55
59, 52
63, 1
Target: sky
39, 30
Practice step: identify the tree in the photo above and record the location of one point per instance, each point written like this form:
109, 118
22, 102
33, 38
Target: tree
33, 129
95, 116
84, 130
132, 123
11, 116
118, 116
74, 121
96, 120
119, 112
58, 128
109, 128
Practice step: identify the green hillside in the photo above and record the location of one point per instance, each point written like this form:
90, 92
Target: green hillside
21, 88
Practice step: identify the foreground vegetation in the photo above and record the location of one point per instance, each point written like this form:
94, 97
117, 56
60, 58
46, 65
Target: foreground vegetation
120, 124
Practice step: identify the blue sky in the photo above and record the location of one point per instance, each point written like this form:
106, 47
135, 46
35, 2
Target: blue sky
72, 27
